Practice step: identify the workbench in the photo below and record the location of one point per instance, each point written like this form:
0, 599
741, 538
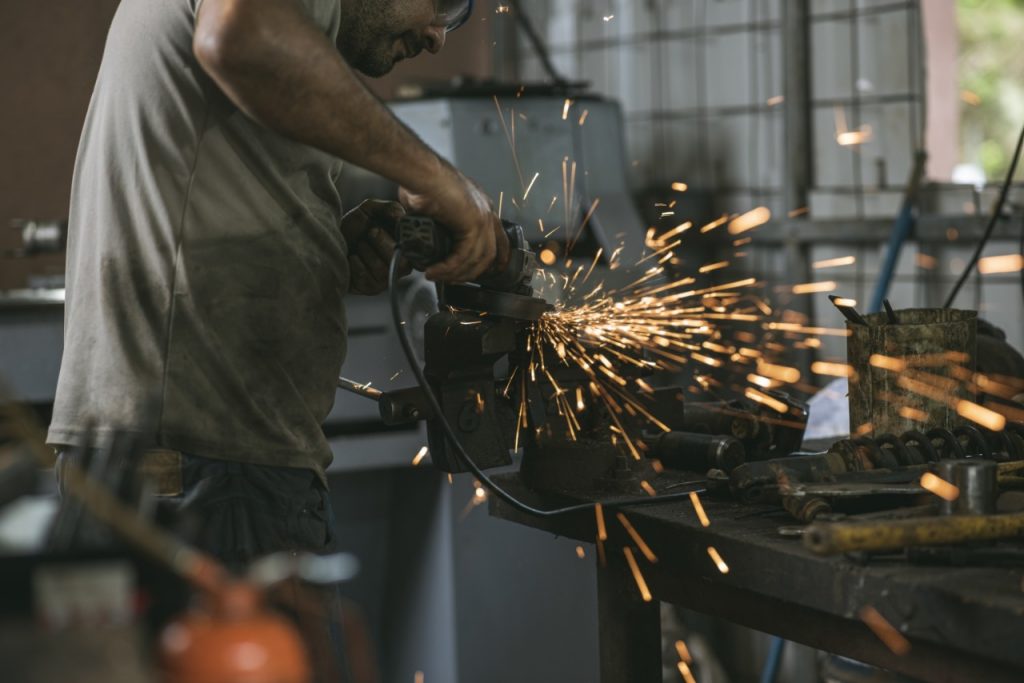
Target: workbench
964, 624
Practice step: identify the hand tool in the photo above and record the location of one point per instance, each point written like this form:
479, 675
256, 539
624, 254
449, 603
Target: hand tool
505, 290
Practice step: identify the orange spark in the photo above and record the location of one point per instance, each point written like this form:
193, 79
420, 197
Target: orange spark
989, 419
602, 532
714, 224
640, 543
832, 369
939, 486
580, 553
717, 559
1008, 263
835, 262
912, 413
781, 373
699, 509
640, 583
763, 382
815, 287
886, 632
854, 137
773, 403
530, 187
713, 266
419, 456
887, 362
750, 220
794, 327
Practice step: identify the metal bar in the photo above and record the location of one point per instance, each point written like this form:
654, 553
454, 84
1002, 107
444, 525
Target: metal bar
797, 123
364, 390
629, 629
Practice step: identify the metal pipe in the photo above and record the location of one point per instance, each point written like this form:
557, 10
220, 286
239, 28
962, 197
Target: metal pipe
848, 537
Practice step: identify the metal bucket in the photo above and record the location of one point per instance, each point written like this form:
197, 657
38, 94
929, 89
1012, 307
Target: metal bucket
930, 344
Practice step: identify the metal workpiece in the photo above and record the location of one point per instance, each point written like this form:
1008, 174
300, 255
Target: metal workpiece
760, 430
847, 537
461, 350
588, 467
977, 484
696, 452
806, 508
364, 390
494, 302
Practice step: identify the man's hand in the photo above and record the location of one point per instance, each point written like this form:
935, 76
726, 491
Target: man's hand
457, 203
370, 245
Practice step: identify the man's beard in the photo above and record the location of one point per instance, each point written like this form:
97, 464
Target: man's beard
366, 37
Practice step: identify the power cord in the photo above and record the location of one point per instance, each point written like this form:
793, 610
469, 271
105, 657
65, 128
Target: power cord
997, 213
421, 379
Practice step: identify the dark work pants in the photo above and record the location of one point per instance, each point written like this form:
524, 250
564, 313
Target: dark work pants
239, 512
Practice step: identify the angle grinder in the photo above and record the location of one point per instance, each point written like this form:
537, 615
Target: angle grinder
505, 291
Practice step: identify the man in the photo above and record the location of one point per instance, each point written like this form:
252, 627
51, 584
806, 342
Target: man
206, 266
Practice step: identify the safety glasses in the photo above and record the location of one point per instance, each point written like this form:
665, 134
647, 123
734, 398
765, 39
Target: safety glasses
453, 13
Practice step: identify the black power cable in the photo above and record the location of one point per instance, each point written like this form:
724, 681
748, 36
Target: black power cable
421, 378
997, 213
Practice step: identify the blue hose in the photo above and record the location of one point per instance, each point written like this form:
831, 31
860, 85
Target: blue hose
773, 661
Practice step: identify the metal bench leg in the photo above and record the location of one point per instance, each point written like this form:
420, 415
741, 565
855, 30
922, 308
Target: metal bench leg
629, 628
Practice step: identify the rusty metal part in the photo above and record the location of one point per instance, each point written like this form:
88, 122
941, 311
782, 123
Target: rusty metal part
762, 431
926, 340
976, 481
847, 537
886, 459
806, 509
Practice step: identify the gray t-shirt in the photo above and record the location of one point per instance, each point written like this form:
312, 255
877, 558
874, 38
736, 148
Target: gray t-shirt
206, 270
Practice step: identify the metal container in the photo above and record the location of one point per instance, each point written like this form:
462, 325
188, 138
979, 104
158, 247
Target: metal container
912, 385
977, 481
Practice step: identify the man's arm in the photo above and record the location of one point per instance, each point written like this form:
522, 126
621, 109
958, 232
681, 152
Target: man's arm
277, 67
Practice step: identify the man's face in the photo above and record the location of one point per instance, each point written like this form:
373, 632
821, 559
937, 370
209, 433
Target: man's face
377, 34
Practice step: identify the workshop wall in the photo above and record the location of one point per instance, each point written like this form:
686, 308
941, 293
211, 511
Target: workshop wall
700, 82
49, 56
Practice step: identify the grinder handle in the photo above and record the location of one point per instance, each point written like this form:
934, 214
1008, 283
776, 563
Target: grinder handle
424, 242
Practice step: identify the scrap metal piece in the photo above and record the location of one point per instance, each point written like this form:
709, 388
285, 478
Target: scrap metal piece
976, 480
